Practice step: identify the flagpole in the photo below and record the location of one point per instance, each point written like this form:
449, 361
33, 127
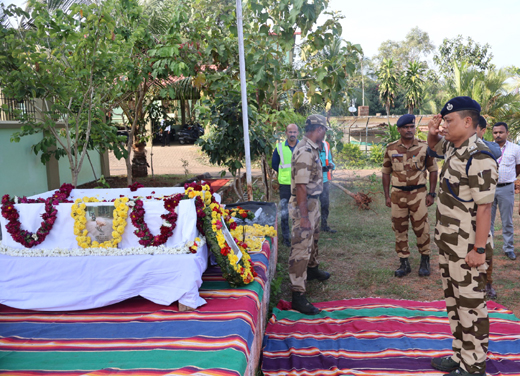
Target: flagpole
243, 90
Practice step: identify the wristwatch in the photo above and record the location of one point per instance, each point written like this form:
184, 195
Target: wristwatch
480, 250
433, 194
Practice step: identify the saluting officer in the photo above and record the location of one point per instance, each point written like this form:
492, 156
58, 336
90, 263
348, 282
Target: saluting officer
462, 232
404, 165
306, 187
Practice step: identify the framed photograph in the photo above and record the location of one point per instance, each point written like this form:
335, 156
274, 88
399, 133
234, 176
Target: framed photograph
230, 240
99, 222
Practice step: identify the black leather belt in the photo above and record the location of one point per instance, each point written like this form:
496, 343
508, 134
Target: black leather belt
310, 196
409, 188
504, 184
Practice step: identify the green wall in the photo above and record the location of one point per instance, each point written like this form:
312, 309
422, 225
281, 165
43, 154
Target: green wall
21, 171
86, 175
23, 174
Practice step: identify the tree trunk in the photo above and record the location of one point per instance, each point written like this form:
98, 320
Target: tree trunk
237, 186
183, 112
265, 178
388, 112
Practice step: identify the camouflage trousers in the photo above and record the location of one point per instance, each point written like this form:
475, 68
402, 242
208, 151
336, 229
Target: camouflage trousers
408, 206
304, 243
464, 291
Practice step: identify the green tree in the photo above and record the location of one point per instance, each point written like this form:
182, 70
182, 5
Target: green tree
412, 83
416, 46
388, 84
489, 89
457, 50
71, 62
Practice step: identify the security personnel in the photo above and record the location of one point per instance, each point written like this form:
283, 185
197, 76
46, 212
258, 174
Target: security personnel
462, 232
281, 162
405, 163
327, 166
306, 186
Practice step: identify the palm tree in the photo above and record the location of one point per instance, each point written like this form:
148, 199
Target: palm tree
412, 83
387, 77
489, 89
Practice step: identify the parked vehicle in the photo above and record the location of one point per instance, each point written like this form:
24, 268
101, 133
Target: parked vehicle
190, 133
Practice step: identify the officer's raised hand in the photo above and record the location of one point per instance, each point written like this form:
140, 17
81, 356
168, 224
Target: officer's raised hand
434, 124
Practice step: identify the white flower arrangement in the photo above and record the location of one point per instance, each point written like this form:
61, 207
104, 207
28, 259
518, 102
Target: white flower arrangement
78, 252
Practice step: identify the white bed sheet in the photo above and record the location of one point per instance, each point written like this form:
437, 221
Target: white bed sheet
74, 283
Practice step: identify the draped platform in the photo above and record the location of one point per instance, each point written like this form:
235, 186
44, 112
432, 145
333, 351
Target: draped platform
138, 337
378, 337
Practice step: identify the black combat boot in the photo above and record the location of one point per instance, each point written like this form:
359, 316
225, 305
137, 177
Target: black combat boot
404, 268
424, 269
301, 304
315, 273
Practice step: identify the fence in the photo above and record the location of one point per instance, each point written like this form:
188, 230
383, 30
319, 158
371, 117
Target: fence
15, 108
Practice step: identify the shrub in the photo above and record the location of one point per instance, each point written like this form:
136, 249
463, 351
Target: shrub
376, 154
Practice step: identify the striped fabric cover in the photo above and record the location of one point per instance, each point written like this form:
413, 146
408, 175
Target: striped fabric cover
377, 337
138, 337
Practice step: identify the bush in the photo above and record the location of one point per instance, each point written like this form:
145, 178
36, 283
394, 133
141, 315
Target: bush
377, 153
351, 156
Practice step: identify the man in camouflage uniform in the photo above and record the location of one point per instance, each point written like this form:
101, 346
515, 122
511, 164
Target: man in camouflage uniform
462, 232
405, 163
306, 187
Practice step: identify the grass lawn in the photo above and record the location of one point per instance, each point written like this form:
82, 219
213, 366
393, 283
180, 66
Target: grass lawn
361, 256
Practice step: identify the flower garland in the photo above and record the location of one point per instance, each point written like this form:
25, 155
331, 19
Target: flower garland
236, 272
14, 227
186, 249
254, 235
80, 220
169, 222
240, 212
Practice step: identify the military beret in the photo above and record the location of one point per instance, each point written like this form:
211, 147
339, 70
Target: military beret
318, 119
460, 104
406, 119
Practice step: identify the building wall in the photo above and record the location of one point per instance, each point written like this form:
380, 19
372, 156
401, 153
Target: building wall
23, 174
86, 175
21, 171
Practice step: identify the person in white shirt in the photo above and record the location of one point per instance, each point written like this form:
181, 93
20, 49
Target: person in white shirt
508, 170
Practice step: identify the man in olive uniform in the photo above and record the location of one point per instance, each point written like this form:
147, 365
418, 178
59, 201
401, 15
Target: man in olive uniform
462, 232
281, 162
306, 187
405, 163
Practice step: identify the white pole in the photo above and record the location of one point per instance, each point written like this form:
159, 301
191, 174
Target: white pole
243, 90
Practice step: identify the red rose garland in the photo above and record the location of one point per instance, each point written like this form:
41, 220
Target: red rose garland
14, 227
169, 222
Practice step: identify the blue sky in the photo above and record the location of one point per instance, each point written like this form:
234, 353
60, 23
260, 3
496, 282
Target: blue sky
497, 22
370, 22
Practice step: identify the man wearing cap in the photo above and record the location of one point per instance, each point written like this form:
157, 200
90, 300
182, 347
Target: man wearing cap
306, 187
462, 232
404, 165
281, 162
508, 170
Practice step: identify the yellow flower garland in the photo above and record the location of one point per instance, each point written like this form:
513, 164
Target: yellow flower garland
254, 235
80, 220
247, 274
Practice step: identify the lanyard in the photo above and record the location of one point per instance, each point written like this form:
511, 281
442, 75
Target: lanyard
503, 151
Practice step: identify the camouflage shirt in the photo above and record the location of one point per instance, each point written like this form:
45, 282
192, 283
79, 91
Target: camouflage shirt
456, 220
407, 164
306, 167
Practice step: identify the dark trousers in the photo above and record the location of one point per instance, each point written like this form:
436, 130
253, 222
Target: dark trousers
166, 138
324, 200
285, 196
